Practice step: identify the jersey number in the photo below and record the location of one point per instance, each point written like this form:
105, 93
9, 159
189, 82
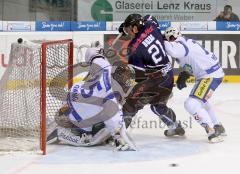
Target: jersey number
154, 51
97, 85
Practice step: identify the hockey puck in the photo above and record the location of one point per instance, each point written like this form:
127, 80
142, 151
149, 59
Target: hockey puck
20, 40
173, 165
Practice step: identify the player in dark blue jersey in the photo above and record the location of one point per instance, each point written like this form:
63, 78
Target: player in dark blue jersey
153, 71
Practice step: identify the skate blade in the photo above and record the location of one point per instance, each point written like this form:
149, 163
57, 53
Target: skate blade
174, 135
124, 149
216, 140
223, 134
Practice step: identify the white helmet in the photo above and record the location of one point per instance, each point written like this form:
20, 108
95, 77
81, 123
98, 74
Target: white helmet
172, 31
95, 50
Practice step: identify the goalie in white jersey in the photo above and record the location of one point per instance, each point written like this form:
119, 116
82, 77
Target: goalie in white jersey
92, 112
204, 65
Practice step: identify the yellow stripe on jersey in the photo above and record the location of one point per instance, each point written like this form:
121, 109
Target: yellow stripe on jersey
226, 79
202, 88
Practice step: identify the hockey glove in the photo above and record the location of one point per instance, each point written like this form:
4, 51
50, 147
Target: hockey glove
120, 144
121, 29
182, 79
122, 141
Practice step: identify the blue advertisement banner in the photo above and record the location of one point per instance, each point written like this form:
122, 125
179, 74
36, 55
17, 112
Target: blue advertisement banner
164, 24
89, 26
228, 26
53, 26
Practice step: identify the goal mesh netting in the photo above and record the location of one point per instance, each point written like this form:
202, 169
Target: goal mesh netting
31, 92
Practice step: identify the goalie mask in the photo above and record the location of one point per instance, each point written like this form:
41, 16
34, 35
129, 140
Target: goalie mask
172, 33
124, 75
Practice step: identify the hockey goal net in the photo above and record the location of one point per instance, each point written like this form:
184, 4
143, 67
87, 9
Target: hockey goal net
31, 92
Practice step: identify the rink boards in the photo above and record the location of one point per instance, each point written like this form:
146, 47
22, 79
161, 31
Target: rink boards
224, 44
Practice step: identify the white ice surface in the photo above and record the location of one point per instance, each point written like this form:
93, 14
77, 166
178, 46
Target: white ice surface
192, 154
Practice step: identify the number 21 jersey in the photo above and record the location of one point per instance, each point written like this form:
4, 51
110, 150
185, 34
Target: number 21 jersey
147, 51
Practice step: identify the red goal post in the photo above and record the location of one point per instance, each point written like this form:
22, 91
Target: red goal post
44, 83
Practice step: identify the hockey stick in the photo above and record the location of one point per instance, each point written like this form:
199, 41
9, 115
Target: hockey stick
110, 52
79, 48
115, 40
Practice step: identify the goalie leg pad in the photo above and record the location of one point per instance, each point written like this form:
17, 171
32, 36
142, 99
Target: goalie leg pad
66, 136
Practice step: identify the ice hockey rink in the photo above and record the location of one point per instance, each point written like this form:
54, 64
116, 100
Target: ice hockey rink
156, 153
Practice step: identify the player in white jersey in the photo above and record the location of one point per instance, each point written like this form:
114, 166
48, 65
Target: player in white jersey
93, 104
204, 65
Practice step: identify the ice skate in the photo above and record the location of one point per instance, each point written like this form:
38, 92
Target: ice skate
220, 130
214, 138
175, 131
